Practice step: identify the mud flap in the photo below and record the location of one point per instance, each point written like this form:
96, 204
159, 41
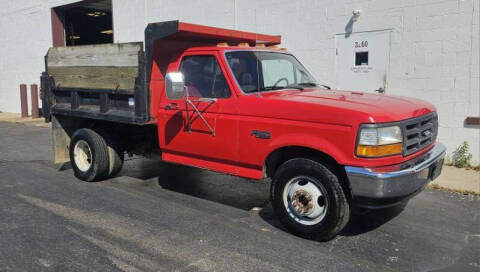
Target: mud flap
63, 128
61, 141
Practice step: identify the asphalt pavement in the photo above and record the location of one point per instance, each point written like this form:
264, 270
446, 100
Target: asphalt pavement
159, 217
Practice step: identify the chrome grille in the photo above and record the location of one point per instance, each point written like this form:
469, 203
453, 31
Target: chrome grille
419, 132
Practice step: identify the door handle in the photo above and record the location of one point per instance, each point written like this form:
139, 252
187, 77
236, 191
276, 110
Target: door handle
171, 106
380, 90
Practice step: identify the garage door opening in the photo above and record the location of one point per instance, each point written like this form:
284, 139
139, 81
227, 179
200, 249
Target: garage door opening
81, 23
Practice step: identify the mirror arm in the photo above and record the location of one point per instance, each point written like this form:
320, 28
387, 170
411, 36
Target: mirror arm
188, 101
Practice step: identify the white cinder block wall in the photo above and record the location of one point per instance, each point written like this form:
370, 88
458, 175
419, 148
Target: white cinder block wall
434, 51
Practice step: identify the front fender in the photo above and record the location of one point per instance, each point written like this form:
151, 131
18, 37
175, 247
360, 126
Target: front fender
335, 148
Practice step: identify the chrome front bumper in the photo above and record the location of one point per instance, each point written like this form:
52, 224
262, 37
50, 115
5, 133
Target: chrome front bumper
374, 184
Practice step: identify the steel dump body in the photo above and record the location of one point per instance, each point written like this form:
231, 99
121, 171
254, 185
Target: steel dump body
105, 82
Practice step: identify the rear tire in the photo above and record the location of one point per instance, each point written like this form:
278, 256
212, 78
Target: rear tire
115, 153
115, 161
89, 155
309, 200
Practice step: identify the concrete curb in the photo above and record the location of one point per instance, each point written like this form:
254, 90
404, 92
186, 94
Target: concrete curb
458, 180
17, 118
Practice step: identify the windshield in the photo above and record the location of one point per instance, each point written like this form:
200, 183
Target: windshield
257, 71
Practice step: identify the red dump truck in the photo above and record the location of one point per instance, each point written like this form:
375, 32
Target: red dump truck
236, 103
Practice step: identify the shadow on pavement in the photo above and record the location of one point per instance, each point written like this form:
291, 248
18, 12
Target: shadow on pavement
229, 190
233, 191
363, 221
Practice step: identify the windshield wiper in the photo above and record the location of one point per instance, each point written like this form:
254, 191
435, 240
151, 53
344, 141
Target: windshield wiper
308, 84
268, 88
299, 86
326, 86
271, 88
311, 84
295, 86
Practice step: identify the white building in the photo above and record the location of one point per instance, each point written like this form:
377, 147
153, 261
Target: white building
427, 49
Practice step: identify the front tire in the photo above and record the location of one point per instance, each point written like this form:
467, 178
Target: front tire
89, 155
309, 200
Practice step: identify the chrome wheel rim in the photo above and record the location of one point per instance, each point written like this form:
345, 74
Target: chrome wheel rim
82, 155
305, 200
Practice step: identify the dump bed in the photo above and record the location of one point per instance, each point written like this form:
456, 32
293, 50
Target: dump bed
112, 81
105, 81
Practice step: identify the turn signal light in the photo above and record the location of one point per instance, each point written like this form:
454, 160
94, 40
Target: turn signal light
379, 150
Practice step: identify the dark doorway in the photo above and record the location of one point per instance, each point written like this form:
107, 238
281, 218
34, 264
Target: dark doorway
85, 22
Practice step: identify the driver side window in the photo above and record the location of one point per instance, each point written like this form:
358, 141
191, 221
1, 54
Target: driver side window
203, 77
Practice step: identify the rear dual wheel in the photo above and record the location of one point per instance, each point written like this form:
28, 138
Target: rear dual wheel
94, 157
309, 200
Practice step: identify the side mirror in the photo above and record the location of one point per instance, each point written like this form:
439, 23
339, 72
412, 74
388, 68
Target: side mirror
175, 85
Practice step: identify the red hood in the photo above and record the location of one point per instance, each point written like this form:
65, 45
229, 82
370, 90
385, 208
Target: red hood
339, 107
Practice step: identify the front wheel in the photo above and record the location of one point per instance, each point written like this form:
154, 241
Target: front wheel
309, 200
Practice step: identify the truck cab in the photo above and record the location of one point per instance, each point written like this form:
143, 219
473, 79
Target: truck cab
236, 103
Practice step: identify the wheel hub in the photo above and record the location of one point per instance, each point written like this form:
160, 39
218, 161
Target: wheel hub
302, 202
82, 155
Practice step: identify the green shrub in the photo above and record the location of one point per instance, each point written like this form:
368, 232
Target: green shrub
462, 157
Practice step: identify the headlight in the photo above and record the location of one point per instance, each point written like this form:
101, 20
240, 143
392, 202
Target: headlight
379, 142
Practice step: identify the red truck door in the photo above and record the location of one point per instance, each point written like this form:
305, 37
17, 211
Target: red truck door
206, 136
